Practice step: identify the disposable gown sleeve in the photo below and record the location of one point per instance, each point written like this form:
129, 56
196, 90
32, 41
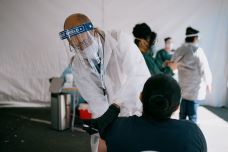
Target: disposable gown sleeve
204, 68
133, 70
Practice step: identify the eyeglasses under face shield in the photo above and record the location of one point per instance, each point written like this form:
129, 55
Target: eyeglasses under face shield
82, 40
79, 36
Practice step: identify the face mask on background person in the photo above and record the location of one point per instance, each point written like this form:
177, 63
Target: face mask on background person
169, 45
152, 49
197, 41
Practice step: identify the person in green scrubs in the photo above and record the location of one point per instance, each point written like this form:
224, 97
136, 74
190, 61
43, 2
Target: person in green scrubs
165, 55
145, 40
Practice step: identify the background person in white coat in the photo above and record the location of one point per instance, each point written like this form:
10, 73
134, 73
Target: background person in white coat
109, 67
194, 74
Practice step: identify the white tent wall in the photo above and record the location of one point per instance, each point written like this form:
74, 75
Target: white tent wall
31, 51
170, 18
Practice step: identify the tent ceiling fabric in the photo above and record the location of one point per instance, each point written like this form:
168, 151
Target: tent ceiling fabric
31, 51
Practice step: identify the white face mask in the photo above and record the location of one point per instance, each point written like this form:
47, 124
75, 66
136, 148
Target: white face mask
197, 42
91, 51
153, 49
169, 46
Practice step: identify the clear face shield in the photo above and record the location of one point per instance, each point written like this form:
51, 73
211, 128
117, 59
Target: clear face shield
197, 38
81, 41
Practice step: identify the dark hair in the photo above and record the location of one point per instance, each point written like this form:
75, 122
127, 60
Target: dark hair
143, 31
189, 31
160, 97
190, 39
167, 38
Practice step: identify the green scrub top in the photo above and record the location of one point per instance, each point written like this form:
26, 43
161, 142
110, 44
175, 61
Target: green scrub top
151, 63
161, 57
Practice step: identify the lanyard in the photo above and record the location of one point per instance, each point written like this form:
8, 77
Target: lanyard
93, 68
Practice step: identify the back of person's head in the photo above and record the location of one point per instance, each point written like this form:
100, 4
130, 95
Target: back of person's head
143, 31
191, 35
160, 97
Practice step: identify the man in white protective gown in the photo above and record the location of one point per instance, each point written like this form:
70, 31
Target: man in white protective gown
109, 68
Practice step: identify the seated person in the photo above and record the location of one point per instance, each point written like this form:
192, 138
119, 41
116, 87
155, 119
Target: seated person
145, 40
165, 55
154, 130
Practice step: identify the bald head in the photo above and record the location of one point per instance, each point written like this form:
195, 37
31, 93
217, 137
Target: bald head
75, 20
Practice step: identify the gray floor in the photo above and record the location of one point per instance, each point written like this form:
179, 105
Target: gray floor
29, 130
214, 124
21, 131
